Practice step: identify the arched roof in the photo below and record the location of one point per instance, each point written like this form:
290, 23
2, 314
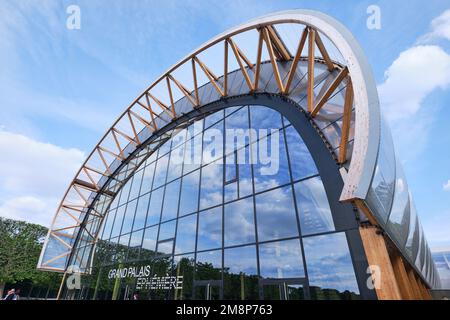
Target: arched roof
286, 53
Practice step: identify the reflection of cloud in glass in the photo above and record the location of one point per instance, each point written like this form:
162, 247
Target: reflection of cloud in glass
149, 241
171, 195
282, 259
276, 216
186, 230
239, 222
211, 185
242, 259
329, 263
314, 210
302, 164
189, 193
210, 229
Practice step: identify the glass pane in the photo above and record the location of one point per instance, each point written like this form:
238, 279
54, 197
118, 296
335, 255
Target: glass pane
193, 152
135, 244
239, 222
186, 234
381, 192
118, 221
230, 191
210, 229
149, 242
213, 118
160, 172
189, 193
141, 212
165, 247
271, 168
313, 207
213, 143
129, 217
148, 178
167, 230
330, 268
240, 273
154, 210
184, 266
281, 259
209, 265
399, 218
265, 118
245, 179
171, 196
276, 216
302, 164
211, 185
137, 179
109, 224
175, 163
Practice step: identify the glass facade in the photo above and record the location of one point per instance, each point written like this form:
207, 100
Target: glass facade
231, 229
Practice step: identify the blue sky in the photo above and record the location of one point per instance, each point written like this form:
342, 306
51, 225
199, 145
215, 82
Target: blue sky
61, 89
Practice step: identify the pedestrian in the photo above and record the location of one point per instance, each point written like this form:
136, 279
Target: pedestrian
16, 294
10, 295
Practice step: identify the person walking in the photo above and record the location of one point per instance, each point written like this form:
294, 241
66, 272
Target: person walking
10, 295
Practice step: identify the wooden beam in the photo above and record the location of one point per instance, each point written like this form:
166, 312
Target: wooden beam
82, 196
401, 275
136, 137
323, 99
310, 90
377, 255
127, 137
194, 75
111, 153
282, 50
142, 120
92, 187
346, 120
95, 170
423, 289
94, 183
117, 143
241, 65
225, 67
212, 78
162, 105
323, 51
244, 57
413, 283
258, 61
184, 90
273, 60
362, 206
172, 104
295, 61
152, 114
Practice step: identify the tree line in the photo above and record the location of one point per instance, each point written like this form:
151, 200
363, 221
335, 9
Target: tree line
20, 247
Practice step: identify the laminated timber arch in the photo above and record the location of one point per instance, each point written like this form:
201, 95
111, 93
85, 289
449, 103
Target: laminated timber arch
306, 73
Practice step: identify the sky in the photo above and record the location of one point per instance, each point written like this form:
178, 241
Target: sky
61, 89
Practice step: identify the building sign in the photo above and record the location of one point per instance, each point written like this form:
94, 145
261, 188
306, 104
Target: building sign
144, 280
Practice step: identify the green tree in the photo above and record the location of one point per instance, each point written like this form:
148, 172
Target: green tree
20, 246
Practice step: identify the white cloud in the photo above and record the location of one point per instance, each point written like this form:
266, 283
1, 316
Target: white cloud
440, 28
446, 186
416, 73
30, 209
34, 175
